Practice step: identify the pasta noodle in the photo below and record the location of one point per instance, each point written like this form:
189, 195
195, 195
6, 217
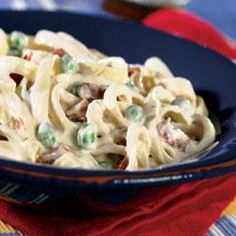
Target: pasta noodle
65, 105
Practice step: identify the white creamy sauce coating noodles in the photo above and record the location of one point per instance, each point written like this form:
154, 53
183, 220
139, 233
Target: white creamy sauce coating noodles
65, 105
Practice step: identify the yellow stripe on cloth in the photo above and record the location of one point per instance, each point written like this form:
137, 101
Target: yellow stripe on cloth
230, 209
5, 228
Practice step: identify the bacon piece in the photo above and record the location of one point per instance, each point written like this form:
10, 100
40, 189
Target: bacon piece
60, 52
182, 144
77, 118
17, 124
133, 71
166, 131
90, 91
120, 141
28, 56
51, 156
78, 112
124, 163
163, 131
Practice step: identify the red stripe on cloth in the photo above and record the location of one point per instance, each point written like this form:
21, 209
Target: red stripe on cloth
185, 25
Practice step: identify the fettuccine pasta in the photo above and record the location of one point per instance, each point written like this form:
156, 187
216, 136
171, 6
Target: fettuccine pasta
63, 104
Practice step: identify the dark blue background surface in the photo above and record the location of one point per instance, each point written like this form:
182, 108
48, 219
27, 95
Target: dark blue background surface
222, 13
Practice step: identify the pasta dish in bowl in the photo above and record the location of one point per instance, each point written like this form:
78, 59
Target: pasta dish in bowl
63, 104
80, 126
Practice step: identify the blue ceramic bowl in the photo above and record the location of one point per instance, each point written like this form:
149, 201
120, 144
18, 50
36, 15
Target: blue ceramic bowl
213, 76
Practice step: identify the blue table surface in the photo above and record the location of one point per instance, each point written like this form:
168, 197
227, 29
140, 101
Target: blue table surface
221, 13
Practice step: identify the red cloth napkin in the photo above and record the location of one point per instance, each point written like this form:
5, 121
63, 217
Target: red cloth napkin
185, 25
179, 210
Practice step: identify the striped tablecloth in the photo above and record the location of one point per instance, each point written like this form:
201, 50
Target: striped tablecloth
226, 224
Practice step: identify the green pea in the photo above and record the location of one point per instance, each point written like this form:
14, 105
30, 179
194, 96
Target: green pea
46, 135
68, 64
183, 103
18, 41
74, 89
130, 84
178, 101
105, 164
86, 135
134, 113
